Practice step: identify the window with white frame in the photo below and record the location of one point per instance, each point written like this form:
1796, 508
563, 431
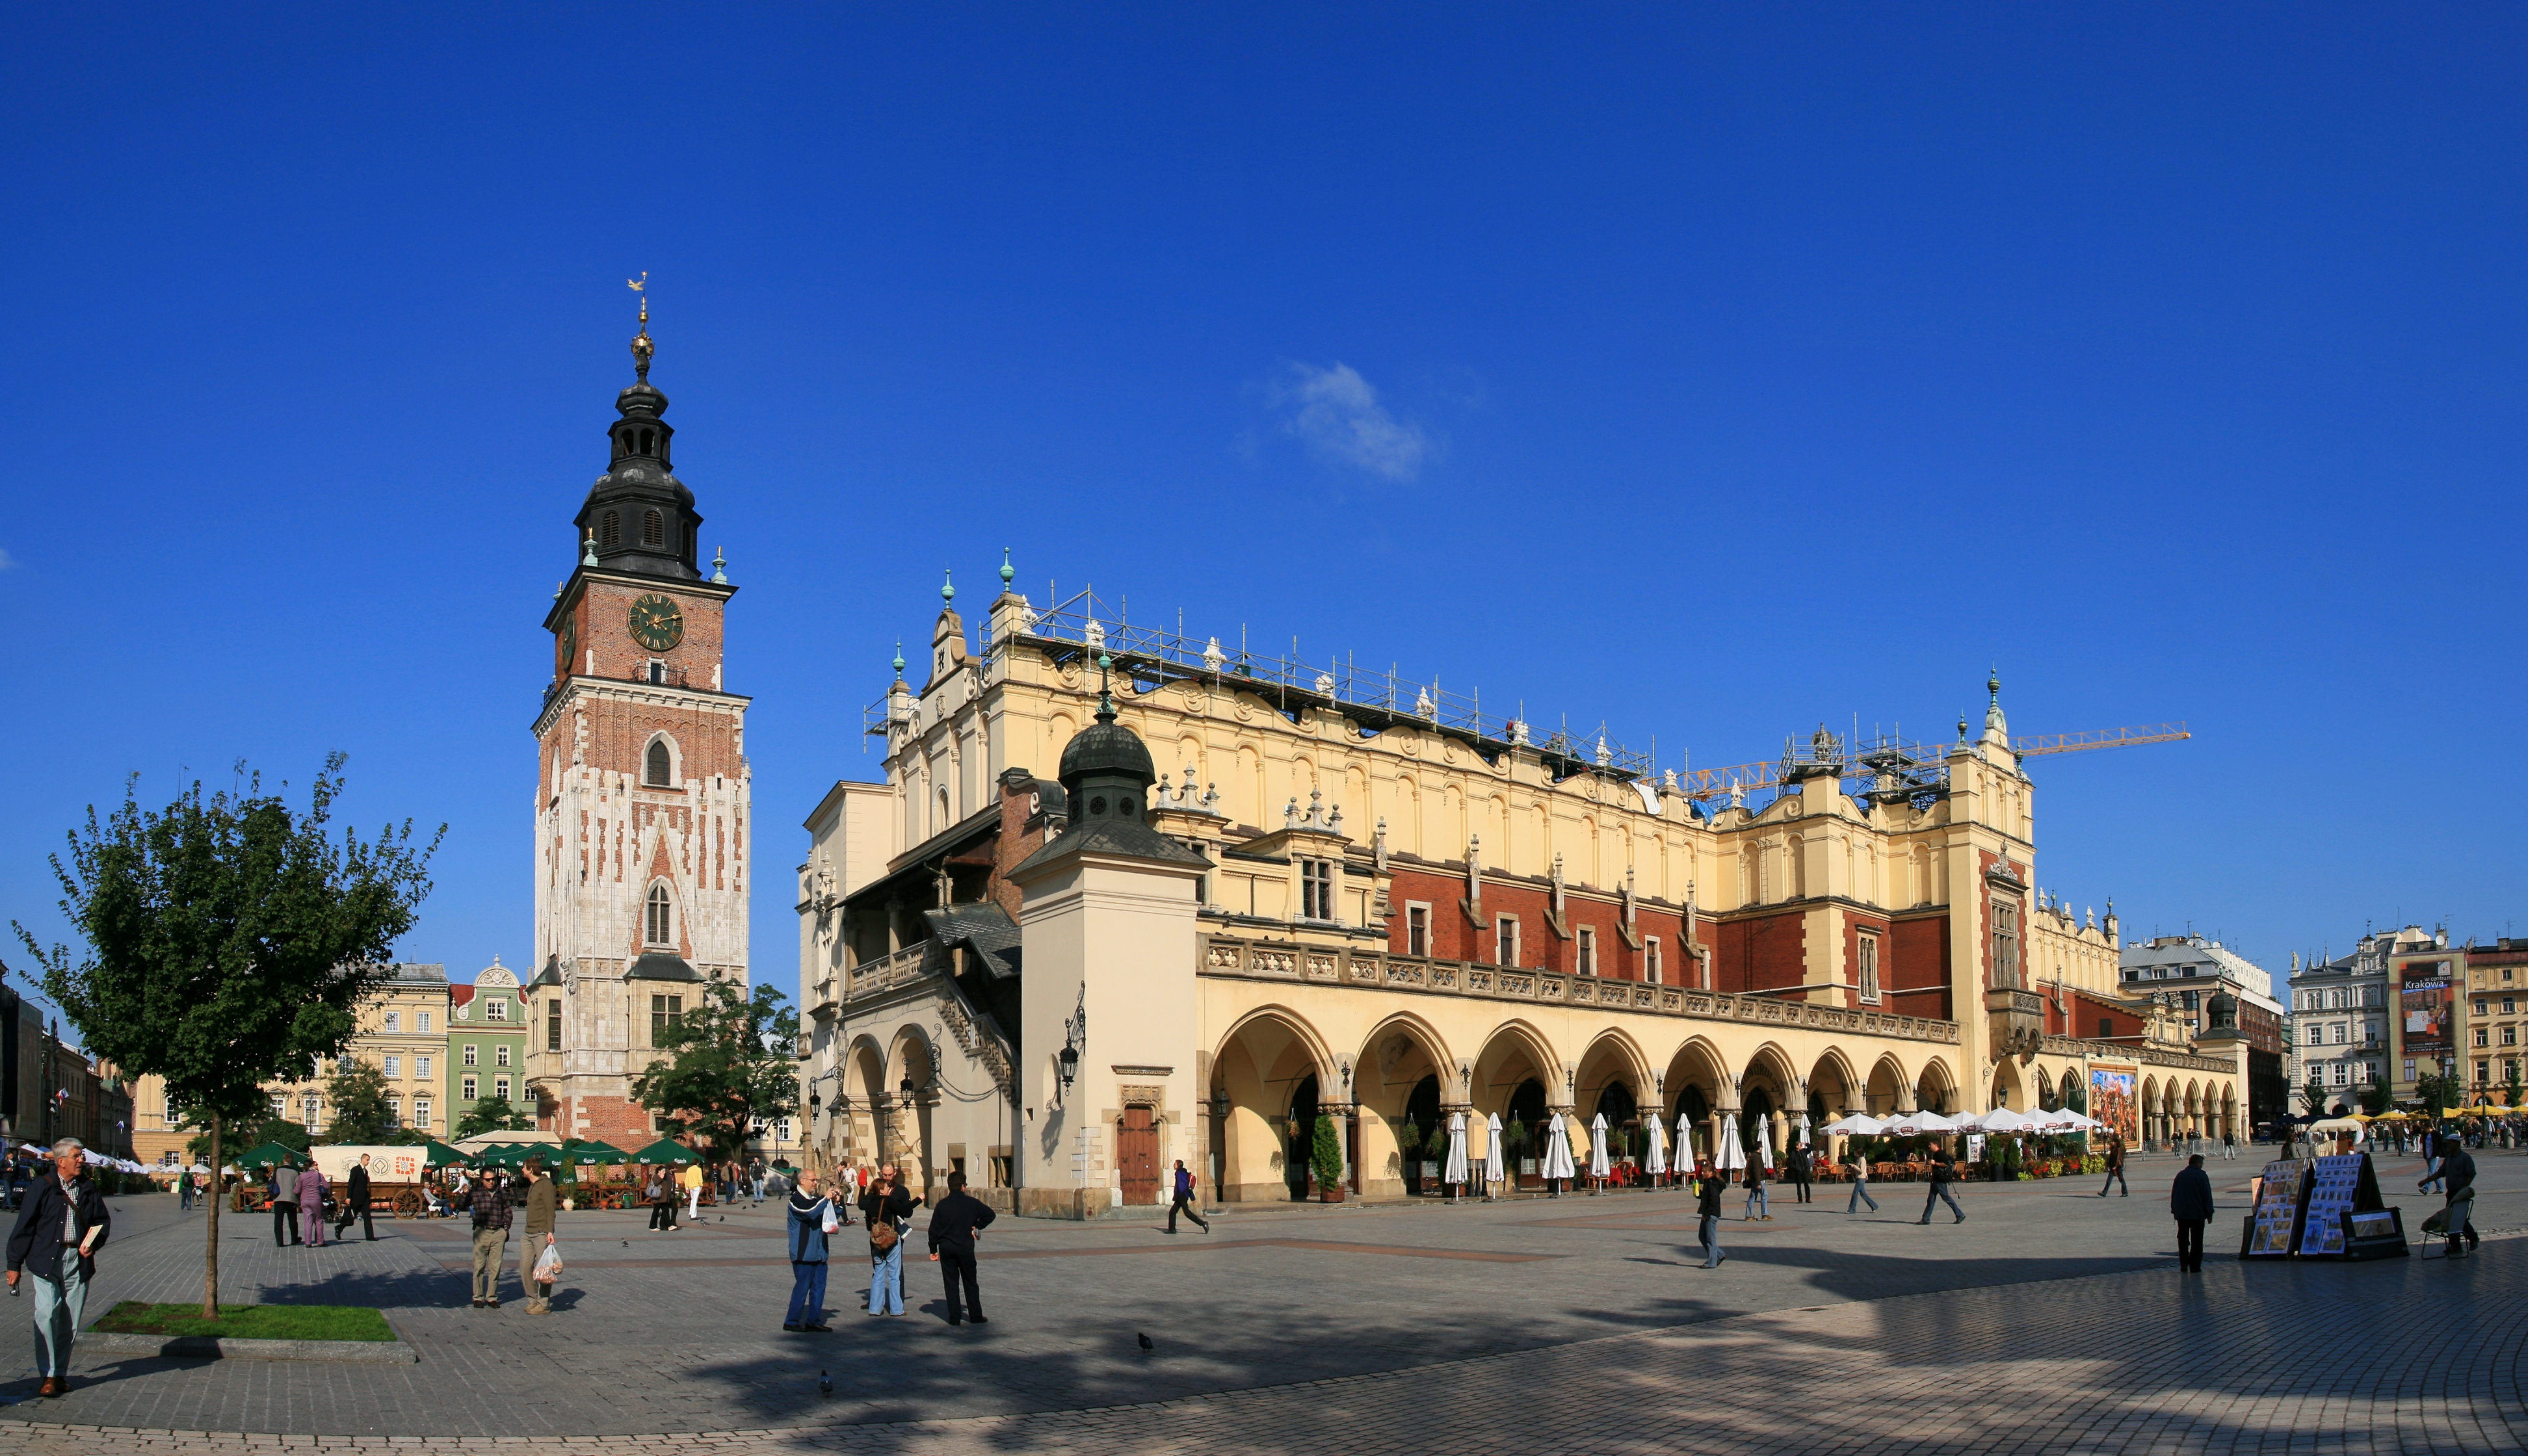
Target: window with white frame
498, 1009
466, 1088
425, 1023
501, 1088
470, 1056
500, 1054
421, 1112
1588, 951
1505, 940
782, 1131
1417, 929
393, 1066
1652, 970
308, 1105
660, 923
394, 1112
1868, 968
394, 1020
2340, 1074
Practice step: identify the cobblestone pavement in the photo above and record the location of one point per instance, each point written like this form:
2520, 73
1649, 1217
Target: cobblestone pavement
2053, 1321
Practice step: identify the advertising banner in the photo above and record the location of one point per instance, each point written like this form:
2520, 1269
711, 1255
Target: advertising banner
2114, 1099
2423, 1007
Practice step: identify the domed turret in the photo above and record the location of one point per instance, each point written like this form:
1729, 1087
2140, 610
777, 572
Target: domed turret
1106, 770
638, 516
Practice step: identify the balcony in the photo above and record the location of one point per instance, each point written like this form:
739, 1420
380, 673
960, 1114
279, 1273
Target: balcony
2015, 1020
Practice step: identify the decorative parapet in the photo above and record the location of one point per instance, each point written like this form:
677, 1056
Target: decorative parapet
911, 969
1284, 960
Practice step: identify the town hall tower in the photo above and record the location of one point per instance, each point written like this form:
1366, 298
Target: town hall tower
642, 815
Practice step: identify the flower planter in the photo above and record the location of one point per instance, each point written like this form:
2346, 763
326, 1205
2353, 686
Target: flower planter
1331, 1194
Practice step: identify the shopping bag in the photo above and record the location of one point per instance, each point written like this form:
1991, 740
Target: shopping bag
549, 1265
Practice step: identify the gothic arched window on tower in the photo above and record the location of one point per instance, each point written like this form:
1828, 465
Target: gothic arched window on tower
609, 530
654, 528
661, 924
656, 773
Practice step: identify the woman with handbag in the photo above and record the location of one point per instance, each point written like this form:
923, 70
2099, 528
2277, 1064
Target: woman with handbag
811, 1219
887, 1209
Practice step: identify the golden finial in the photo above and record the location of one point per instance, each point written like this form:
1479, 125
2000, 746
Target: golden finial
641, 345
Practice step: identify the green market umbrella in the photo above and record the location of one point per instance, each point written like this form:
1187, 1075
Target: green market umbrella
665, 1150
272, 1152
593, 1154
441, 1153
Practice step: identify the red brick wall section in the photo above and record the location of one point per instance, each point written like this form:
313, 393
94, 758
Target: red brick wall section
1853, 924
1453, 939
604, 615
1916, 970
1760, 953
2088, 1014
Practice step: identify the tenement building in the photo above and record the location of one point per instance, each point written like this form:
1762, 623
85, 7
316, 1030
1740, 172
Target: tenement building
1125, 897
2187, 972
642, 812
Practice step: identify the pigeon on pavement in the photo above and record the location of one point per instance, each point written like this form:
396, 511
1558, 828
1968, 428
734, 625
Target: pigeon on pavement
1144, 1340
825, 1384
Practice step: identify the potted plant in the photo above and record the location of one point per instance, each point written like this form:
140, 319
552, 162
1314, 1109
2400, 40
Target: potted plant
1325, 1160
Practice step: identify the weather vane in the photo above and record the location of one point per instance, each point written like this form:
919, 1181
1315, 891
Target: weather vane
640, 346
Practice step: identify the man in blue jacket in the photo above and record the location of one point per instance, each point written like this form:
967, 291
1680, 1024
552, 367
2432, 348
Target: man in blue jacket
2190, 1201
61, 1225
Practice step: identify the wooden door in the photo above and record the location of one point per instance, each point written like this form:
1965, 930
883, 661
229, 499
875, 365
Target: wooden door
1137, 1153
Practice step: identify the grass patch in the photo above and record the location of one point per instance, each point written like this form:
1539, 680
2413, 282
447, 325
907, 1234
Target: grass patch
248, 1321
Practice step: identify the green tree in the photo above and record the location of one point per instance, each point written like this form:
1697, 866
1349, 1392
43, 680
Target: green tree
229, 944
735, 1061
291, 1135
1325, 1154
2374, 1098
2511, 1090
492, 1114
2439, 1091
357, 1091
2313, 1097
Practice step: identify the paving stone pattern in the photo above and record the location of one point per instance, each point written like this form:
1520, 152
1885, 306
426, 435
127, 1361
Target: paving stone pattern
2053, 1321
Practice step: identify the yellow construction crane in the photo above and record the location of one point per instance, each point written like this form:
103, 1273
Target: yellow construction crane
1900, 760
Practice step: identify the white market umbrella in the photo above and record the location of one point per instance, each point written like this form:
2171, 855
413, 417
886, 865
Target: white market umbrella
1654, 1149
1764, 1139
1598, 1167
1558, 1149
1456, 1172
1729, 1154
1855, 1125
1914, 1123
2002, 1120
2078, 1122
1496, 1167
1804, 1129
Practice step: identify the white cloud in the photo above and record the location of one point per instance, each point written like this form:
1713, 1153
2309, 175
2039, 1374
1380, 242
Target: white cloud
6, 560
1336, 414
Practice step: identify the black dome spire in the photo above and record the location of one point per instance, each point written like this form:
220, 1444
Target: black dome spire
1106, 750
638, 516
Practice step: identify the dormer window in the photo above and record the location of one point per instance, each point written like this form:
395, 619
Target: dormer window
609, 529
1316, 890
654, 528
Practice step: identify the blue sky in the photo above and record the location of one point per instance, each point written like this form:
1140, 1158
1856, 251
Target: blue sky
1709, 373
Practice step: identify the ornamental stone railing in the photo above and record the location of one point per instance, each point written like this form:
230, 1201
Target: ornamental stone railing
911, 969
1282, 961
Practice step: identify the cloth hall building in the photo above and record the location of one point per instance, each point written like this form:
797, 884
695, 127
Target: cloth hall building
1097, 918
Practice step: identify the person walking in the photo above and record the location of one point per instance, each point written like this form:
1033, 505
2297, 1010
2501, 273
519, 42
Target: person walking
284, 1192
2189, 1201
2228, 1145
1183, 1199
490, 1204
355, 1202
544, 1202
1802, 1168
662, 1197
2434, 1171
184, 1191
692, 1178
62, 1221
2116, 1167
955, 1224
311, 1205
1944, 1168
1860, 1186
1707, 1192
755, 1181
810, 1219
886, 1209
1758, 1205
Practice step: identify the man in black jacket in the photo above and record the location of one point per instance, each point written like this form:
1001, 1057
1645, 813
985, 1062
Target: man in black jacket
955, 1224
1944, 1168
2457, 1166
355, 1202
2189, 1201
61, 1225
1708, 1207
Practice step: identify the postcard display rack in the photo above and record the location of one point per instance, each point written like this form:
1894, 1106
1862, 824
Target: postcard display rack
2323, 1208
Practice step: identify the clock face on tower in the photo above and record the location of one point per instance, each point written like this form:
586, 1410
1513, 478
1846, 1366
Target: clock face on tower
570, 641
656, 624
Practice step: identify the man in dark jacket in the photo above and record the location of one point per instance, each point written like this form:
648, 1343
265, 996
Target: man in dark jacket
61, 1225
1803, 1171
2190, 1201
955, 1224
283, 1189
355, 1202
1181, 1199
1707, 1192
2116, 1167
1944, 1168
2457, 1166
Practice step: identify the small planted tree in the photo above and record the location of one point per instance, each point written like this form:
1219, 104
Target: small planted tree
733, 1062
229, 941
492, 1115
1325, 1154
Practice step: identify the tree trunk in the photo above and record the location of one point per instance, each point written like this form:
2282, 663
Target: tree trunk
211, 1255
